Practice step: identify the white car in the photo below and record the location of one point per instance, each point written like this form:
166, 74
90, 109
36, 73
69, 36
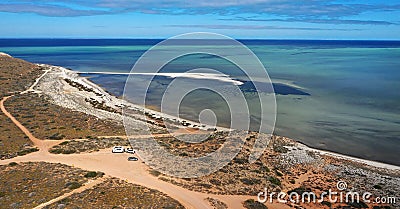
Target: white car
130, 150
133, 159
118, 149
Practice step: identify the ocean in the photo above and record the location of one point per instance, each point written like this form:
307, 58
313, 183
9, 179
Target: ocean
341, 96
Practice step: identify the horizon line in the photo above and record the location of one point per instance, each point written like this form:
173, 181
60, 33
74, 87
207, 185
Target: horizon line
140, 38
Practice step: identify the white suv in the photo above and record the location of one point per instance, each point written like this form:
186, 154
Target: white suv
130, 150
118, 149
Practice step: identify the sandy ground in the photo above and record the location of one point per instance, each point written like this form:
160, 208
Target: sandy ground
116, 165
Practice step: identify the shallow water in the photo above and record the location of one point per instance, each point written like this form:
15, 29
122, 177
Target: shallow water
353, 106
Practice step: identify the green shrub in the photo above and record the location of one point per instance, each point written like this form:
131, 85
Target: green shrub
252, 204
64, 143
329, 204
73, 185
240, 160
68, 151
27, 151
56, 151
100, 174
155, 173
13, 164
278, 173
207, 186
250, 181
215, 182
183, 154
91, 174
56, 136
274, 180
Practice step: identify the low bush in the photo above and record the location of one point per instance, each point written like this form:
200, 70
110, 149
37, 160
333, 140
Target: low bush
274, 180
73, 185
252, 204
13, 164
250, 181
91, 174
155, 173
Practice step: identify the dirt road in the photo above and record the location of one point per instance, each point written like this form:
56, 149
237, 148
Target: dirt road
117, 165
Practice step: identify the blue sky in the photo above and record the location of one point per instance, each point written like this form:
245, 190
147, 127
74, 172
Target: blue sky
266, 19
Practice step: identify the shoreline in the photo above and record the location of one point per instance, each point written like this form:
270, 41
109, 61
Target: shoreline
337, 155
285, 164
97, 93
117, 103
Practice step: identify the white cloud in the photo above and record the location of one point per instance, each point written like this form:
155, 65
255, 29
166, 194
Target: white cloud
286, 8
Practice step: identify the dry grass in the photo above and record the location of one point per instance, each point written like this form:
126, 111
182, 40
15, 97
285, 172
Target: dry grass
281, 169
27, 185
181, 148
115, 193
16, 75
43, 119
13, 141
49, 121
239, 177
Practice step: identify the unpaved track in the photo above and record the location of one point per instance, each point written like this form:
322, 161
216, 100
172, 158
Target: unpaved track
90, 184
115, 165
43, 145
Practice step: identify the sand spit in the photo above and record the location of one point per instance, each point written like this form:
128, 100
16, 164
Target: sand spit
4, 54
205, 76
67, 89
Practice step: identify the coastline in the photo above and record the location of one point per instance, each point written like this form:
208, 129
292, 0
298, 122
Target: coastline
95, 92
117, 103
350, 158
285, 164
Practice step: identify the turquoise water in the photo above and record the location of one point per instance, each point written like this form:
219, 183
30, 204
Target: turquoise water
353, 106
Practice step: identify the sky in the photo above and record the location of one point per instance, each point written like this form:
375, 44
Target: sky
246, 19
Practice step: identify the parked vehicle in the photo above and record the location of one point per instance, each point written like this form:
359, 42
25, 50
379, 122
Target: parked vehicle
130, 150
118, 149
133, 159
